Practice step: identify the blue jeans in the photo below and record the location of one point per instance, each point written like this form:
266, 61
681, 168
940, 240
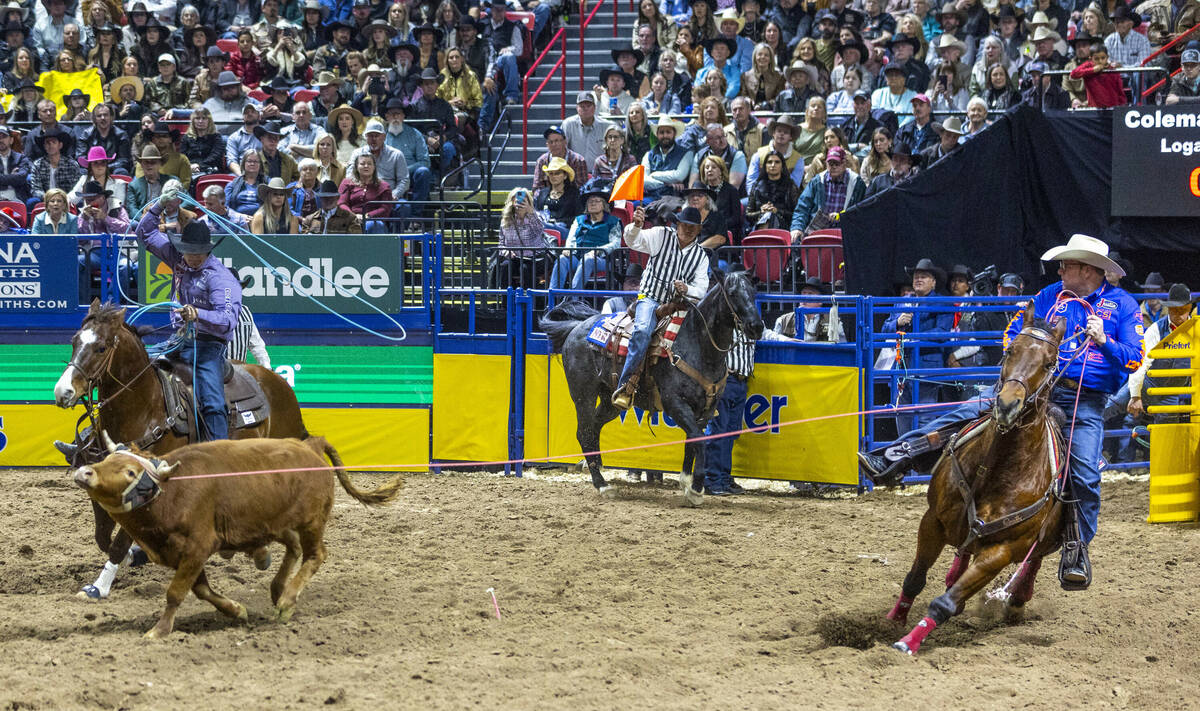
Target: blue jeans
449, 152
422, 179
90, 262
507, 64
593, 263
375, 227
1086, 441
970, 410
208, 365
541, 15
639, 341
929, 394
718, 453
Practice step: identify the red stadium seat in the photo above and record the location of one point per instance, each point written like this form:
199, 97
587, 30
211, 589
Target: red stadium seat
826, 236
635, 257
122, 178
204, 181
782, 236
258, 95
37, 210
305, 94
18, 209
556, 234
765, 263
227, 45
624, 213
823, 261
525, 18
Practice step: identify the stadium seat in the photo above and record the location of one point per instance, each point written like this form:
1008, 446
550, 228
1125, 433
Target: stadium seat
765, 263
823, 261
123, 178
204, 181
623, 213
556, 234
18, 209
227, 45
525, 18
782, 236
37, 210
635, 257
305, 94
258, 95
826, 236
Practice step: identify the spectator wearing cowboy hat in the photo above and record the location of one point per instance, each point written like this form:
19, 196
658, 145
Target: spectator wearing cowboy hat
243, 139
15, 169
47, 113
228, 102
173, 162
801, 87
16, 35
1006, 20
950, 50
276, 163
268, 25
904, 166
816, 327
559, 202
610, 93
782, 132
949, 133
330, 218
828, 193
904, 49
24, 109
57, 168
331, 57
273, 216
851, 52
1081, 43
152, 44
194, 43
1044, 94
1126, 48
895, 96
1152, 308
150, 181
97, 166
1185, 87
77, 106
926, 278
556, 147
1044, 40
329, 95
204, 86
412, 147
279, 102
168, 89
922, 131
951, 20
667, 164
712, 222
729, 26
594, 235
720, 50
442, 137
102, 133
314, 33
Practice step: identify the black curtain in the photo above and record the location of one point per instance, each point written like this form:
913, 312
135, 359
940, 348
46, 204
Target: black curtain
1025, 184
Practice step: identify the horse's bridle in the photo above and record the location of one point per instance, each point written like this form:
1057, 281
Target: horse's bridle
1031, 396
737, 321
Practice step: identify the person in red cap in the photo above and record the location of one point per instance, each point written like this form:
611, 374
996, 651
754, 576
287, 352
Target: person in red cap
921, 132
827, 194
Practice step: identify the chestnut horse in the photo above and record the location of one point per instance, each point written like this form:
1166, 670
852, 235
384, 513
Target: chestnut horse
992, 493
107, 355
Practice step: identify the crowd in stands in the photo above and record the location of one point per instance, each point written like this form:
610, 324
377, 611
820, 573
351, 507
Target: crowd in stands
799, 110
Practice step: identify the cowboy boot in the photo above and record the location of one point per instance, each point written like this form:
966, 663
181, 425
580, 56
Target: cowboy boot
68, 450
1075, 569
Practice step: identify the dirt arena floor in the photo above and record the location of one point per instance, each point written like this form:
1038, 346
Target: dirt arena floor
768, 600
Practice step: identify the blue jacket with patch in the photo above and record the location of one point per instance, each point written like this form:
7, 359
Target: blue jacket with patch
1107, 366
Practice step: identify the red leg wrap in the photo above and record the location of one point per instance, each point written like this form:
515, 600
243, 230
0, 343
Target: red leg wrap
899, 613
1024, 587
911, 642
957, 568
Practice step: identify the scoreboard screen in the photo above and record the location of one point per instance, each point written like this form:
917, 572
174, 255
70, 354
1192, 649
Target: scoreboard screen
1156, 161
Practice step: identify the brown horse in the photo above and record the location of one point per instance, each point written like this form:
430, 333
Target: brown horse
992, 492
107, 355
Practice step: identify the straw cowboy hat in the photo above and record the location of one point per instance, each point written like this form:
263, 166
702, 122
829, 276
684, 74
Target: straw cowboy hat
729, 14
668, 122
1088, 250
949, 41
1041, 19
804, 67
276, 185
950, 125
557, 163
336, 113
1045, 33
139, 89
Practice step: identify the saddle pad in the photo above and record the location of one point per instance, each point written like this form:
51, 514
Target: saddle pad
613, 331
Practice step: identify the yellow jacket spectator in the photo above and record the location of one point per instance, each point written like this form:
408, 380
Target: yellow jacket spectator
460, 87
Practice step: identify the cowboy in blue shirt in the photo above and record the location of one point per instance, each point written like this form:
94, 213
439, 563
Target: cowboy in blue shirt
1111, 329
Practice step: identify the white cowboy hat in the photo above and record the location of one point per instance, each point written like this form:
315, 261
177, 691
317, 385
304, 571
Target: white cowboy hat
1088, 250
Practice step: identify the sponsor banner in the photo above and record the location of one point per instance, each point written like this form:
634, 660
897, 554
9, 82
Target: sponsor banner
822, 451
470, 407
326, 375
1156, 160
333, 270
38, 274
363, 436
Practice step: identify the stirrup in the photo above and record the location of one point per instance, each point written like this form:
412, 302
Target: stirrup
1075, 570
622, 399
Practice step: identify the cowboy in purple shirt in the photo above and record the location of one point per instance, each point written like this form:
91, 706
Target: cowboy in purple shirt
211, 297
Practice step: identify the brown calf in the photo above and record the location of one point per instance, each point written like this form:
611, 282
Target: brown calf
180, 522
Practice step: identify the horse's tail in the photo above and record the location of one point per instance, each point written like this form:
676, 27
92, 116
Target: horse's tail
382, 495
559, 321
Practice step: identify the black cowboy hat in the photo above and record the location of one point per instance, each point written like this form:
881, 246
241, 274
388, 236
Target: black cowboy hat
927, 265
138, 7
606, 73
730, 44
637, 53
338, 25
1006, 11
712, 4
1179, 295
379, 25
815, 282
689, 216
903, 148
426, 27
1154, 283
699, 187
161, 128
431, 74
279, 83
393, 104
1124, 12
270, 127
901, 38
152, 24
92, 189
598, 187
853, 44
77, 93
468, 21
326, 189
108, 27
1084, 36
412, 49
215, 52
209, 34
961, 270
892, 67
65, 137
27, 84
853, 18
196, 239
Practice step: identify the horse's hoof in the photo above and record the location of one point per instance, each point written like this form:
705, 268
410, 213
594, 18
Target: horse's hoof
91, 593
693, 499
904, 648
137, 557
242, 615
685, 483
262, 558
152, 633
607, 492
284, 614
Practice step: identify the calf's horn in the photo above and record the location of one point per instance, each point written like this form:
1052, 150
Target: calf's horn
108, 443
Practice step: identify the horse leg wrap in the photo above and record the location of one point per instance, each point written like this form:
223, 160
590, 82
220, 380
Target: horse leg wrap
1024, 589
914, 583
911, 642
899, 613
957, 568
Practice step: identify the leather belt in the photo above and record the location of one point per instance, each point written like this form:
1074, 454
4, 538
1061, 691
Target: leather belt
1073, 385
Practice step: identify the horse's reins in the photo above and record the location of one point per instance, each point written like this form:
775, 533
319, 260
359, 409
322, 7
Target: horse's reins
737, 321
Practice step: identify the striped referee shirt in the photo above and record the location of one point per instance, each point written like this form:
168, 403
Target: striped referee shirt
740, 358
245, 338
669, 263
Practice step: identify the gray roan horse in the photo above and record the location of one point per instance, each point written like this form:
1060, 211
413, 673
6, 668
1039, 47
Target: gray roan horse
703, 341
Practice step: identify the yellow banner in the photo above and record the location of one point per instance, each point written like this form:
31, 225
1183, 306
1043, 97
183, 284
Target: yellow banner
363, 436
470, 407
822, 451
56, 85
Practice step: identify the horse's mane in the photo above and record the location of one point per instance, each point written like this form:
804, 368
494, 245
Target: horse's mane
106, 311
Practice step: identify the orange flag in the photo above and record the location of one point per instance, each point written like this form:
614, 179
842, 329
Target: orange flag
629, 185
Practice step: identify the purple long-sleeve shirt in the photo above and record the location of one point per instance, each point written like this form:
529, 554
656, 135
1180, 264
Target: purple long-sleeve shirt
212, 288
